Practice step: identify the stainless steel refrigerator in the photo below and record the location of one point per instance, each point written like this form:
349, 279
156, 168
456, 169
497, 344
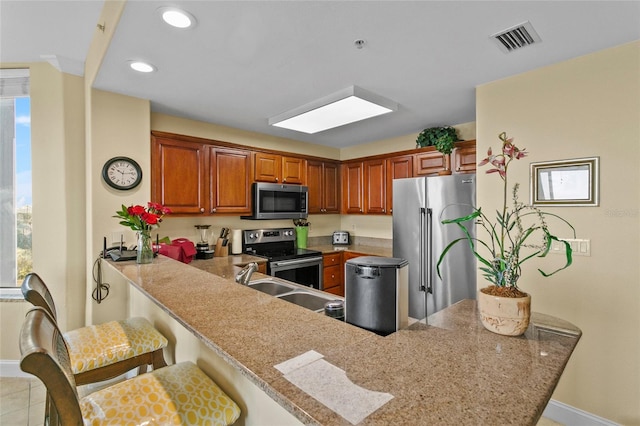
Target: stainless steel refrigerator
419, 206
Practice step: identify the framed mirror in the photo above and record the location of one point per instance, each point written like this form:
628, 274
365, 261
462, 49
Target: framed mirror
565, 182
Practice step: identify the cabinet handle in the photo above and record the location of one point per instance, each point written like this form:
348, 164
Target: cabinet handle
213, 210
283, 180
333, 276
276, 179
201, 209
383, 211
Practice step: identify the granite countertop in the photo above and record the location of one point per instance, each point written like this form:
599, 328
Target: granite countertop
449, 372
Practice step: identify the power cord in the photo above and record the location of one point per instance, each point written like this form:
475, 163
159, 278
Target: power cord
102, 289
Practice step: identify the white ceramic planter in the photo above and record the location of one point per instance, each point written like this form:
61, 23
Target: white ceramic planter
508, 316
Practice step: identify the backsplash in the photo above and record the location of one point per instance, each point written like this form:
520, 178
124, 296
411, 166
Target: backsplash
355, 241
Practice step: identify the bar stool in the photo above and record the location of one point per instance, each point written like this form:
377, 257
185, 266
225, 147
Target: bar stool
175, 395
104, 351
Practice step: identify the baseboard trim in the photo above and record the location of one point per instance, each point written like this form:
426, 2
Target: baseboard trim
11, 368
571, 416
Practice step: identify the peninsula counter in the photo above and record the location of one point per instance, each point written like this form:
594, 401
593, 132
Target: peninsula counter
449, 372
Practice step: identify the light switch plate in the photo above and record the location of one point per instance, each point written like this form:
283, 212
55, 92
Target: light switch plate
580, 247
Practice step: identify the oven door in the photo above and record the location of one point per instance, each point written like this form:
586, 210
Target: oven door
305, 271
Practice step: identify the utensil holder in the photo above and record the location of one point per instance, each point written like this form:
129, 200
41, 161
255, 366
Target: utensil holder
302, 233
220, 250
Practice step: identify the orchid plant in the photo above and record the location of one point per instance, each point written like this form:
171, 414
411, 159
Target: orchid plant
142, 219
509, 241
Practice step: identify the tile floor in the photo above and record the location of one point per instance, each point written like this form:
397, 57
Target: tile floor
22, 403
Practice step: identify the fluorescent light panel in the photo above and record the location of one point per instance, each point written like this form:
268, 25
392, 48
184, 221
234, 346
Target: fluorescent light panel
340, 108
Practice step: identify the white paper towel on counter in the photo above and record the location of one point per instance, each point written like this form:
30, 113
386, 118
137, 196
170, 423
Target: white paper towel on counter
236, 241
330, 385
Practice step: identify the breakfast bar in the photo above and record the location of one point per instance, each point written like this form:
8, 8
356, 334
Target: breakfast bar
326, 372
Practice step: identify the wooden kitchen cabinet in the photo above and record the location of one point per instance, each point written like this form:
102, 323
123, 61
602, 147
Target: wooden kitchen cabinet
353, 187
323, 180
332, 273
229, 180
429, 162
346, 255
464, 157
375, 184
399, 167
179, 172
190, 177
279, 169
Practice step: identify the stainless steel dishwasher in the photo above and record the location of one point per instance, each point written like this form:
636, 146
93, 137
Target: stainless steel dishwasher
376, 293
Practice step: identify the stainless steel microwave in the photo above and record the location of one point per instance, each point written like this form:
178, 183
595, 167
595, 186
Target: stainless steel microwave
278, 201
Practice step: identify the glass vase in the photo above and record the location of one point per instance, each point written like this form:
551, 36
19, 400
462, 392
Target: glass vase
145, 249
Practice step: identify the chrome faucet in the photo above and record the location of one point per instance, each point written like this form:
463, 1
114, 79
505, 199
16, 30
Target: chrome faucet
244, 275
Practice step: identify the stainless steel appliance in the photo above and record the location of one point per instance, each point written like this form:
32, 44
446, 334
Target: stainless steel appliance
340, 238
277, 201
419, 206
285, 260
376, 293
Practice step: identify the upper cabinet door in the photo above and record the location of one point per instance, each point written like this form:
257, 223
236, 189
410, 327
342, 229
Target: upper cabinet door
323, 180
294, 170
267, 167
331, 191
375, 178
464, 157
178, 175
230, 177
429, 163
397, 168
315, 182
353, 187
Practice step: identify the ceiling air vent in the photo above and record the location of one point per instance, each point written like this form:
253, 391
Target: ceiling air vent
513, 38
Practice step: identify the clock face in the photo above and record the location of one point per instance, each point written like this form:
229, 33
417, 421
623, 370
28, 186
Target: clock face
122, 173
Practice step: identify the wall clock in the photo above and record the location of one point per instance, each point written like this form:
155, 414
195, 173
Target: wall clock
122, 173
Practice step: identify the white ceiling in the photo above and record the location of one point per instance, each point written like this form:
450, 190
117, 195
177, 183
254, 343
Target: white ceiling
246, 61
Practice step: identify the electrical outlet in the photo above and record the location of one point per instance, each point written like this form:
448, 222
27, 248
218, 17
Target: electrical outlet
580, 247
116, 236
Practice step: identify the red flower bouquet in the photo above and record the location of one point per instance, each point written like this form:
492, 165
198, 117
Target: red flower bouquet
140, 218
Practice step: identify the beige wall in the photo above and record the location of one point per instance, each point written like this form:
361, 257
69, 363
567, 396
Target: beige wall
466, 131
589, 106
57, 140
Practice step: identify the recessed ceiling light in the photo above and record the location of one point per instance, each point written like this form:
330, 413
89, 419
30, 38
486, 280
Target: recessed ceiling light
176, 17
141, 66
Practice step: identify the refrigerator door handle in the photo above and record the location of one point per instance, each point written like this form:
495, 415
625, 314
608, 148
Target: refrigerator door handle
421, 267
430, 251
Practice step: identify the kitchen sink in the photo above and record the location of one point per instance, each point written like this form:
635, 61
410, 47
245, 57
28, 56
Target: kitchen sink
307, 300
293, 293
271, 287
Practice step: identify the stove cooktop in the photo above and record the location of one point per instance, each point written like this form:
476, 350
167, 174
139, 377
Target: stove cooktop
274, 244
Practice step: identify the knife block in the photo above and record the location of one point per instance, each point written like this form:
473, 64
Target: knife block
220, 250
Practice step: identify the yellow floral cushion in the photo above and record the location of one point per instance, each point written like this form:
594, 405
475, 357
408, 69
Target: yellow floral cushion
180, 394
99, 345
